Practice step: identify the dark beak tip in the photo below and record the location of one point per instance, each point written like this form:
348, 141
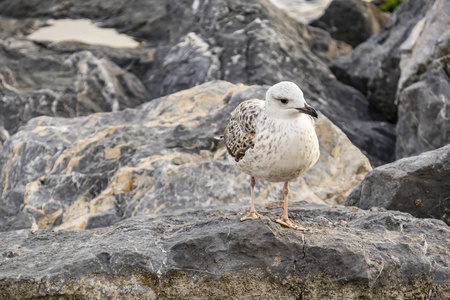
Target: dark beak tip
309, 111
316, 115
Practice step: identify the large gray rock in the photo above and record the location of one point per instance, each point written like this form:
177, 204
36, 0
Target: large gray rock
139, 18
424, 110
428, 40
351, 21
161, 157
381, 67
418, 185
233, 40
18, 27
258, 44
347, 254
323, 45
37, 81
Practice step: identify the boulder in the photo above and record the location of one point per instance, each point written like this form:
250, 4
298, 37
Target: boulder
138, 18
36, 81
424, 108
384, 65
18, 27
184, 65
418, 185
209, 254
258, 44
351, 21
323, 45
158, 158
428, 40
232, 40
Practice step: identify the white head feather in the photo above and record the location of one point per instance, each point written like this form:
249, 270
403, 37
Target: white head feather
285, 100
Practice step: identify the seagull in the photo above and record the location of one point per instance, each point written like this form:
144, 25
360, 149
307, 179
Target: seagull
273, 140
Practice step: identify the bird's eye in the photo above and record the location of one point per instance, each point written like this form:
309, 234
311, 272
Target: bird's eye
284, 101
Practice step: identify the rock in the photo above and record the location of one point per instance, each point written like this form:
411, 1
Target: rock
424, 108
390, 61
138, 18
133, 60
158, 158
348, 253
428, 40
254, 45
323, 45
418, 185
18, 27
351, 21
36, 81
259, 44
232, 40
187, 64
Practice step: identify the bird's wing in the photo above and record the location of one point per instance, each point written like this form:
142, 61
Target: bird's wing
241, 129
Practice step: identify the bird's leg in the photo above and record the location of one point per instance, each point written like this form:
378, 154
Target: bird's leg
253, 214
284, 218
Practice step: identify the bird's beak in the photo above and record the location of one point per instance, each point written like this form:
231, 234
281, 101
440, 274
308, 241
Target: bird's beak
308, 110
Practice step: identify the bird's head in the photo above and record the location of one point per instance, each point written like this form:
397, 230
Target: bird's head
285, 100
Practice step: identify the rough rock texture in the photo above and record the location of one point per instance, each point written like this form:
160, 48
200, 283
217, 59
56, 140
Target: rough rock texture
233, 40
347, 254
416, 33
418, 185
139, 18
351, 21
37, 81
160, 157
424, 111
323, 45
156, 185
258, 44
18, 27
187, 64
428, 40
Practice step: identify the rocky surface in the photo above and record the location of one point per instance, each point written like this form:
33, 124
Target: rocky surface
418, 185
424, 110
230, 40
18, 27
323, 45
383, 66
37, 81
151, 188
259, 44
138, 18
351, 21
347, 254
158, 158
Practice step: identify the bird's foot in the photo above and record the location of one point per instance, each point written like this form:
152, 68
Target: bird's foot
286, 222
253, 215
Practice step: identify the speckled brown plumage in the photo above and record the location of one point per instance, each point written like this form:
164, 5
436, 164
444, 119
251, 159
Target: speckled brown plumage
273, 140
241, 130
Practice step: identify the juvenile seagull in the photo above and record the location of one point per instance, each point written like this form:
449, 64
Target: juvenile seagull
273, 140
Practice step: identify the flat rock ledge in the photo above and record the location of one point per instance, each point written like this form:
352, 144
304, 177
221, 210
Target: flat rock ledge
347, 254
